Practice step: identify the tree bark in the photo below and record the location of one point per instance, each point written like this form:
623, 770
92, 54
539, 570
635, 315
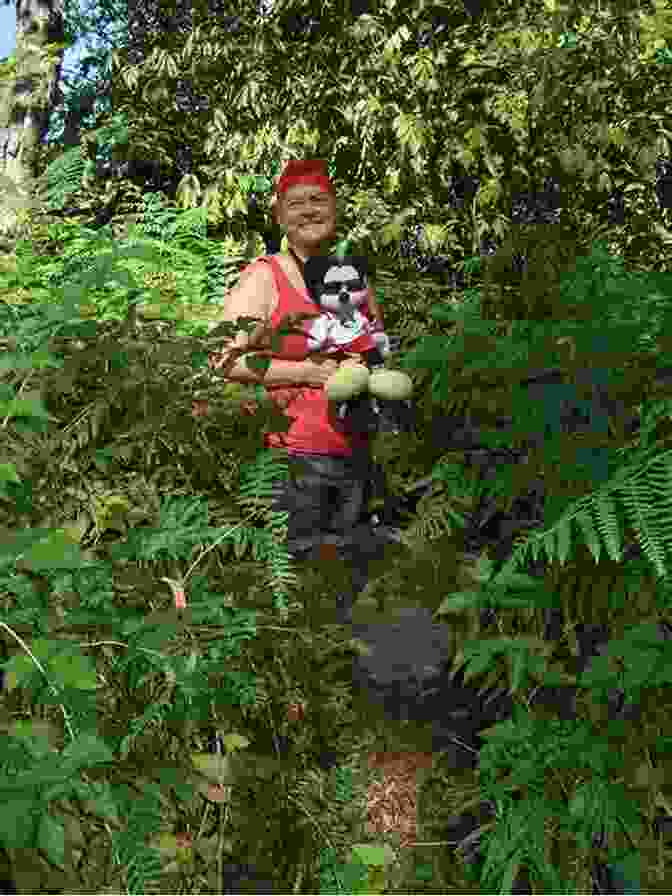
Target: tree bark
26, 101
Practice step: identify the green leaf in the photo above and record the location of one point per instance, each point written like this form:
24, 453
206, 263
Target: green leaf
373, 854
74, 670
8, 473
97, 798
547, 544
607, 516
234, 741
216, 767
424, 872
19, 671
376, 880
518, 671
51, 838
262, 184
342, 248
58, 790
460, 601
56, 551
477, 664
563, 540
37, 728
88, 749
184, 791
584, 522
26, 407
246, 182
510, 875
18, 821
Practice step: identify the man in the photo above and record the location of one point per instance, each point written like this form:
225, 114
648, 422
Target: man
330, 468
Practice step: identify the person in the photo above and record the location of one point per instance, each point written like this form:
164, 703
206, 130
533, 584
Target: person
330, 468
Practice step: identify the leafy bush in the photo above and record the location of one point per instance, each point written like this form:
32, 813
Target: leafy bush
52, 583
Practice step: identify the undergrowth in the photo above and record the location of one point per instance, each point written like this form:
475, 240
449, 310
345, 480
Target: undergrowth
148, 599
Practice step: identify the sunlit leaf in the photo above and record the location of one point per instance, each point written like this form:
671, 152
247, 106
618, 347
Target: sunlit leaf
51, 838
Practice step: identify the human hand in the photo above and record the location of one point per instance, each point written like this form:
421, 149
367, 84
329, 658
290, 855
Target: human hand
316, 373
319, 368
351, 361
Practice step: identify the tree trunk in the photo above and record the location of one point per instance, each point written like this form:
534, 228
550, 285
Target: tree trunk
26, 101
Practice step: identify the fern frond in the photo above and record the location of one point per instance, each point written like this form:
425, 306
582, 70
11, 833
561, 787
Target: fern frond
436, 521
259, 478
650, 529
64, 176
140, 864
438, 511
279, 563
644, 490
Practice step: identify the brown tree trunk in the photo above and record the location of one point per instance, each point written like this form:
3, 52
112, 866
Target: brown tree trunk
26, 101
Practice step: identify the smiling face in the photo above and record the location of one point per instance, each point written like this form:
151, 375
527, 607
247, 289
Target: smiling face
308, 215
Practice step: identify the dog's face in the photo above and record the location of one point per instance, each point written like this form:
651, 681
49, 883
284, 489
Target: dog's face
337, 285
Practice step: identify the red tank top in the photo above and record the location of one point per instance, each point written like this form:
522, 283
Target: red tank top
311, 430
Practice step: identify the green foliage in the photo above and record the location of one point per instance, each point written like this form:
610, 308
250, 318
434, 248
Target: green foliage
337, 877
32, 776
63, 177
575, 291
182, 525
179, 525
141, 863
65, 174
343, 790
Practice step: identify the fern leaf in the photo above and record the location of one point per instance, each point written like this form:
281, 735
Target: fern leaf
646, 528
547, 544
563, 536
590, 536
64, 176
607, 523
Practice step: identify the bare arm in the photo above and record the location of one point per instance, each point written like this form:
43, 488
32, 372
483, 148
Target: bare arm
252, 298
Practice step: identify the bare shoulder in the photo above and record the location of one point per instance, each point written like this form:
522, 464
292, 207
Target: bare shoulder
253, 296
254, 293
259, 276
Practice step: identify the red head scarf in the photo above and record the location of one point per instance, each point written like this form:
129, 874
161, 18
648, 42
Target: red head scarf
310, 171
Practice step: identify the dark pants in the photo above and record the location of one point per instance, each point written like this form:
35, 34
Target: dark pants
326, 497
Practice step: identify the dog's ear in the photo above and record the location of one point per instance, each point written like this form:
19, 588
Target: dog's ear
313, 273
361, 262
